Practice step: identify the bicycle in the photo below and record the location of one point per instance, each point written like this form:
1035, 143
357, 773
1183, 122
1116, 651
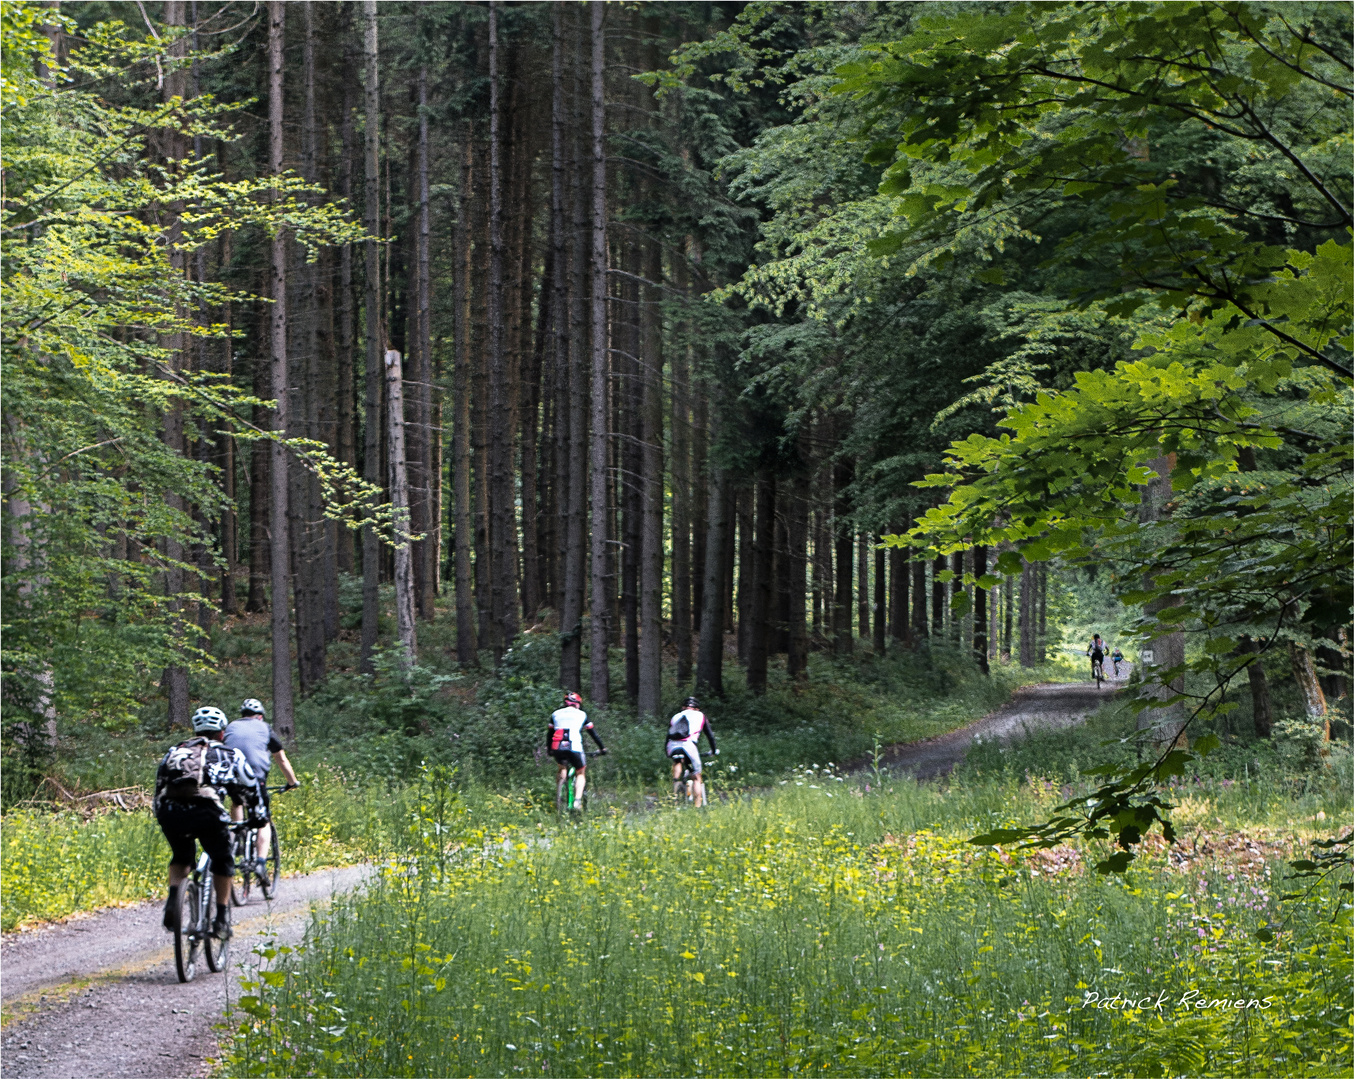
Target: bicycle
246, 846
685, 787
1098, 672
564, 802
193, 934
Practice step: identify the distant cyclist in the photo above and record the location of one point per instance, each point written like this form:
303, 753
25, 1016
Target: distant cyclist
565, 735
686, 726
1117, 658
1097, 651
253, 737
190, 784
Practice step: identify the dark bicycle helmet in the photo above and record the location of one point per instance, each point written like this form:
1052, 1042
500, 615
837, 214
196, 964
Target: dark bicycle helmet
571, 698
691, 703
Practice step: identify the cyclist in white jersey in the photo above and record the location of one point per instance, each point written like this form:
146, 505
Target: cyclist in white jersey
565, 735
686, 726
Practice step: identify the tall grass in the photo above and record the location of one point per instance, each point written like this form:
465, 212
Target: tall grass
820, 930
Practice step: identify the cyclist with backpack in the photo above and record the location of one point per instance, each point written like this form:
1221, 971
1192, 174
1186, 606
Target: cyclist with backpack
1097, 651
190, 786
1116, 658
684, 729
254, 738
565, 739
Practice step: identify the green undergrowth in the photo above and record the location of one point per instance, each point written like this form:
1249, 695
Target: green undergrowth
823, 929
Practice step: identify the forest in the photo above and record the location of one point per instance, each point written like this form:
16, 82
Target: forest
843, 364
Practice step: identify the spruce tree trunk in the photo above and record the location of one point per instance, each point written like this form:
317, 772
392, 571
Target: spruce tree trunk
744, 501
558, 300
680, 424
503, 526
425, 514
229, 537
399, 487
371, 465
980, 609
1262, 716
957, 584
279, 570
259, 481
1310, 687
842, 589
1167, 650
461, 461
919, 602
651, 485
881, 620
711, 646
759, 629
628, 403
575, 531
1042, 633
701, 507
1027, 615
898, 593
938, 597
862, 588
600, 619
346, 436
797, 551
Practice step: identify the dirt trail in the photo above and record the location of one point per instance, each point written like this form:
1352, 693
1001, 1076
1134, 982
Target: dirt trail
1046, 705
98, 996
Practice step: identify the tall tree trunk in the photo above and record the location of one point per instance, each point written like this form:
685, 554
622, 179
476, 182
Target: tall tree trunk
399, 486
862, 588
744, 501
1008, 603
346, 435
881, 620
226, 446
465, 600
580, 351
1310, 687
1042, 631
503, 526
919, 602
957, 585
680, 424
727, 570
652, 477
797, 544
260, 483
759, 630
1262, 716
710, 650
842, 589
280, 571
600, 636
938, 596
980, 609
371, 543
1027, 614
700, 504
428, 551
629, 396
898, 593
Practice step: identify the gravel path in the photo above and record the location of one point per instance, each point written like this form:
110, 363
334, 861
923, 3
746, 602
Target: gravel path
98, 996
1046, 705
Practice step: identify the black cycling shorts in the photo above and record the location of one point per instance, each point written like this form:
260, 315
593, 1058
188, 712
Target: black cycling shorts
197, 820
1097, 656
567, 758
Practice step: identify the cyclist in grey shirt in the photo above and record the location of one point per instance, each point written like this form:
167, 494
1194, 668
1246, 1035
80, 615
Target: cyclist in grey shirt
254, 738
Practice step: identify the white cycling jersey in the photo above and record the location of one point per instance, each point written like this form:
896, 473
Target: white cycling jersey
567, 728
696, 723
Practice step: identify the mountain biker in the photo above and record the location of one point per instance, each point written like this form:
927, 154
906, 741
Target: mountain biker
565, 735
686, 726
254, 738
189, 784
1116, 658
1097, 651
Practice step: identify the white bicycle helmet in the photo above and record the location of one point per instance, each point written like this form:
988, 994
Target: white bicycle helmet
208, 718
252, 707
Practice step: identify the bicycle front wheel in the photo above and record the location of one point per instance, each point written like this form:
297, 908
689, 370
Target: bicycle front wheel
274, 878
185, 931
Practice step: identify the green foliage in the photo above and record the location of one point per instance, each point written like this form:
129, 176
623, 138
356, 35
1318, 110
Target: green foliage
821, 929
98, 316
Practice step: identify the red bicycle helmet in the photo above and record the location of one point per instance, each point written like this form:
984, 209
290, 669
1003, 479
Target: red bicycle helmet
573, 699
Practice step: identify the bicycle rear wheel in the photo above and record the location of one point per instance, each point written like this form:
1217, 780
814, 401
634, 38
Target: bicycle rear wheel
274, 875
216, 950
185, 939
243, 882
